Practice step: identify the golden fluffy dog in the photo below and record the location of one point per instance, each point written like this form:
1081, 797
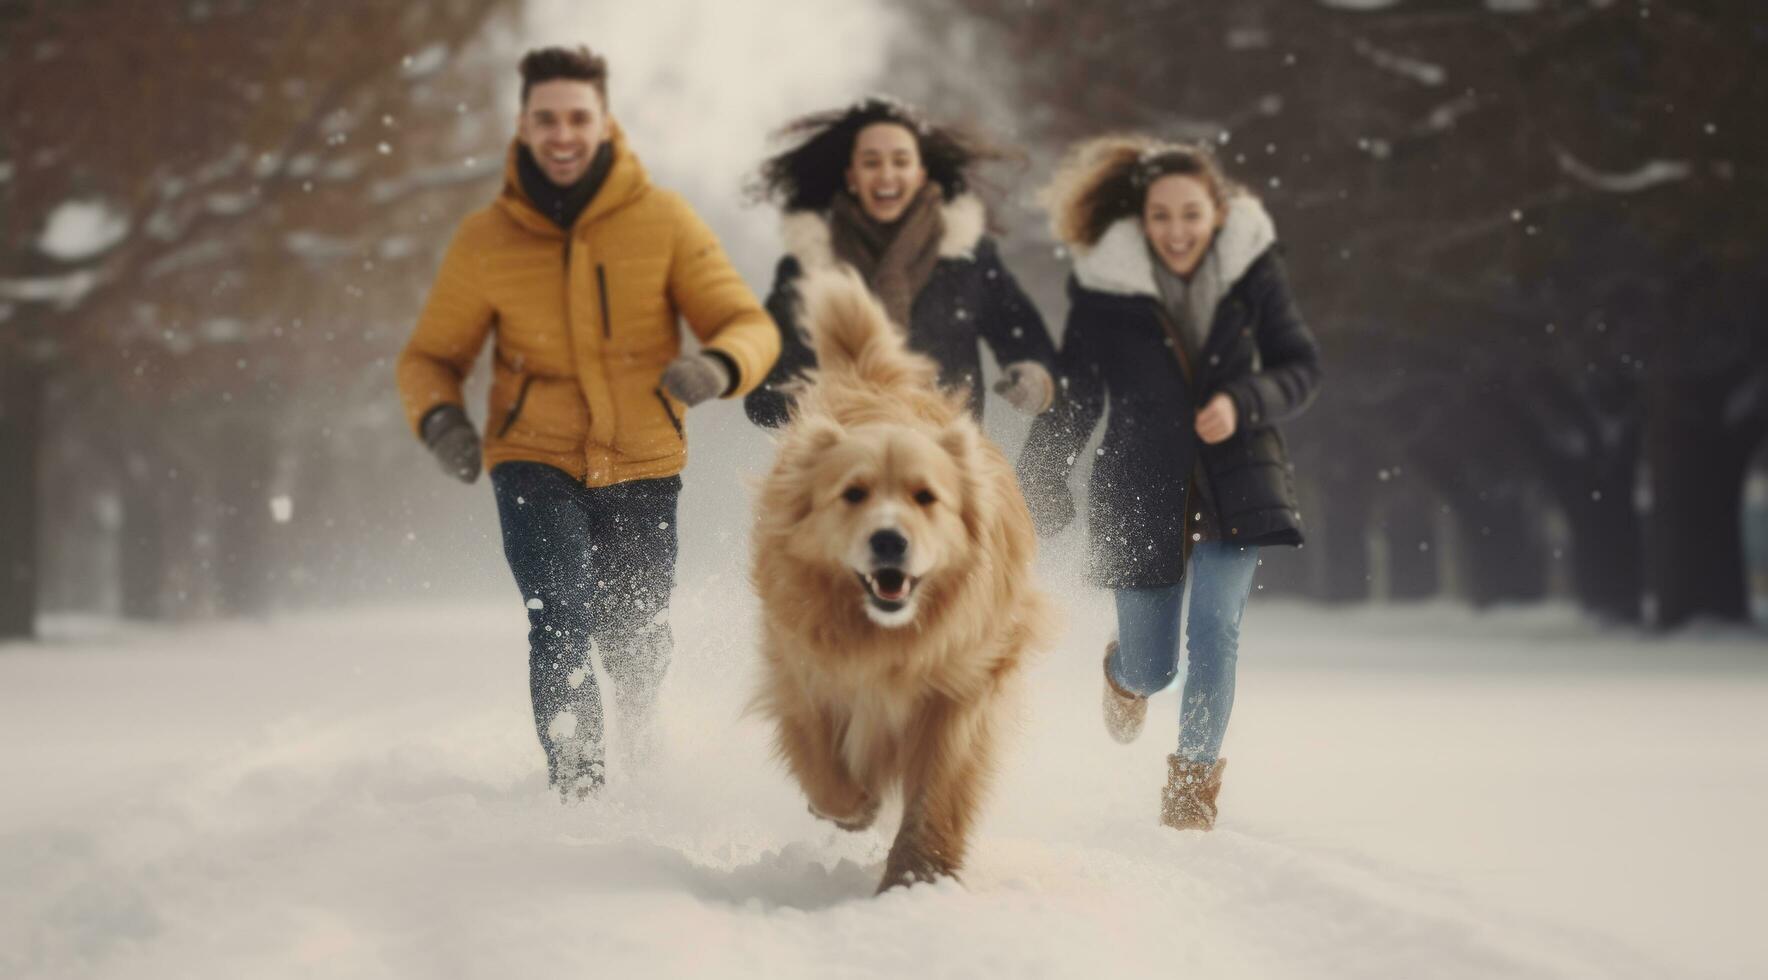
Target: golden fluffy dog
893, 556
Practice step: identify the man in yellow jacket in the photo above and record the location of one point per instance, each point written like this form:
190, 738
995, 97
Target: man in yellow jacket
578, 271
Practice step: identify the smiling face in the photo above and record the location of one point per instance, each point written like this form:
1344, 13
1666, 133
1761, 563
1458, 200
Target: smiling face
884, 516
563, 122
886, 171
1180, 218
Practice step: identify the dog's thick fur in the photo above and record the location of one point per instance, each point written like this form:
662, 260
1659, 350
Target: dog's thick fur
871, 695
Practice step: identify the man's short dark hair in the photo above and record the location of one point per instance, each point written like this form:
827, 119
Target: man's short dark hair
577, 64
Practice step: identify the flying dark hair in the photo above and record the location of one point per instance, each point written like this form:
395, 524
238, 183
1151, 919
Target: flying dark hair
577, 64
807, 176
1105, 180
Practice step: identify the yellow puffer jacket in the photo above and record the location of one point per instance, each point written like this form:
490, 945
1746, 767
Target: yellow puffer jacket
585, 325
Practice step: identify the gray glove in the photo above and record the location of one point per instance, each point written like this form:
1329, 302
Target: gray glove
450, 435
694, 378
1027, 386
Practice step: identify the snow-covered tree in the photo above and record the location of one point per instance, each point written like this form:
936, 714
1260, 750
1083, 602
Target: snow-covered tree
1522, 230
209, 207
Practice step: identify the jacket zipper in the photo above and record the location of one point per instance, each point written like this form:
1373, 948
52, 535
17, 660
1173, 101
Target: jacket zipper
567, 284
1201, 468
522, 395
601, 289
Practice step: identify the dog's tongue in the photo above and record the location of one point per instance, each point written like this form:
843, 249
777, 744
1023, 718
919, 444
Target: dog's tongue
892, 584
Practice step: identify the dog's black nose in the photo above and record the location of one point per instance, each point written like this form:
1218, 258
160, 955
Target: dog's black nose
889, 545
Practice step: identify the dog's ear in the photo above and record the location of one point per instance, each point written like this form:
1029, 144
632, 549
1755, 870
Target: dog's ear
811, 438
961, 443
819, 434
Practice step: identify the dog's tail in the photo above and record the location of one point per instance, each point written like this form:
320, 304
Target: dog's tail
853, 336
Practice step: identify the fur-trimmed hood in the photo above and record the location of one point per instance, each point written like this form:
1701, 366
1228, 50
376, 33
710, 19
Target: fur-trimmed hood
963, 221
1120, 262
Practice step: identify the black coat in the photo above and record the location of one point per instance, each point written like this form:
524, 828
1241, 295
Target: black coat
968, 299
1116, 353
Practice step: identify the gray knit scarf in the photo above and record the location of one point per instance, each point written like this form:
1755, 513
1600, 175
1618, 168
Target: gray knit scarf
1191, 301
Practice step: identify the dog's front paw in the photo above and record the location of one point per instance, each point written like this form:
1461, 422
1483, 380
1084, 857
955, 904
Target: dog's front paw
856, 821
917, 857
902, 870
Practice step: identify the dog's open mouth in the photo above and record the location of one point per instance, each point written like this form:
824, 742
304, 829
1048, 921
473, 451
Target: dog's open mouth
889, 589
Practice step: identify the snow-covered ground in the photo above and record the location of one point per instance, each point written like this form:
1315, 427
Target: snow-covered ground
1412, 793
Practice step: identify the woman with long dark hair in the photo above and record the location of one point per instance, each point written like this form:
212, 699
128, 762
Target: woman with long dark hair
1182, 323
876, 187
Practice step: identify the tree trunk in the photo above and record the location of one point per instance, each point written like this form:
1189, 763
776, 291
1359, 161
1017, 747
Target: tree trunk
1409, 533
1344, 535
243, 524
1605, 550
1755, 531
1693, 538
1500, 547
1596, 493
22, 391
141, 558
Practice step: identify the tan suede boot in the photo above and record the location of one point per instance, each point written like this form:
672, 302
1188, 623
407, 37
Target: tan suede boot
1189, 800
1124, 712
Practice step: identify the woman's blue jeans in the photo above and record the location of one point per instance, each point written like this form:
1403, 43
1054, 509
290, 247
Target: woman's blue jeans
1220, 577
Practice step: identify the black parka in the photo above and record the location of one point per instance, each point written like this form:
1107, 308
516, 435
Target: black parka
1119, 353
969, 299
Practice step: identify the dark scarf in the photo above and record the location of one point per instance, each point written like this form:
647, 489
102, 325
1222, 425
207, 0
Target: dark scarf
563, 204
895, 259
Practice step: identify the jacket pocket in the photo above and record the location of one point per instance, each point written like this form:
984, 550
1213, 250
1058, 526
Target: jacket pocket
649, 422
669, 412
515, 412
536, 411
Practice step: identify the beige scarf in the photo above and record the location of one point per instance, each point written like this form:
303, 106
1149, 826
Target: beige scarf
896, 259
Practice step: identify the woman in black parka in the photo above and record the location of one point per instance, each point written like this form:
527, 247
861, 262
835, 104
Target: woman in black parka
1182, 325
875, 187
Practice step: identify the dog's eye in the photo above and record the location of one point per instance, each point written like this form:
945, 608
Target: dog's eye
925, 498
854, 495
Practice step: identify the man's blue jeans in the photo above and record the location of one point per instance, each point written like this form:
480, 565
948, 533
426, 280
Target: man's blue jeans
595, 566
1220, 576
